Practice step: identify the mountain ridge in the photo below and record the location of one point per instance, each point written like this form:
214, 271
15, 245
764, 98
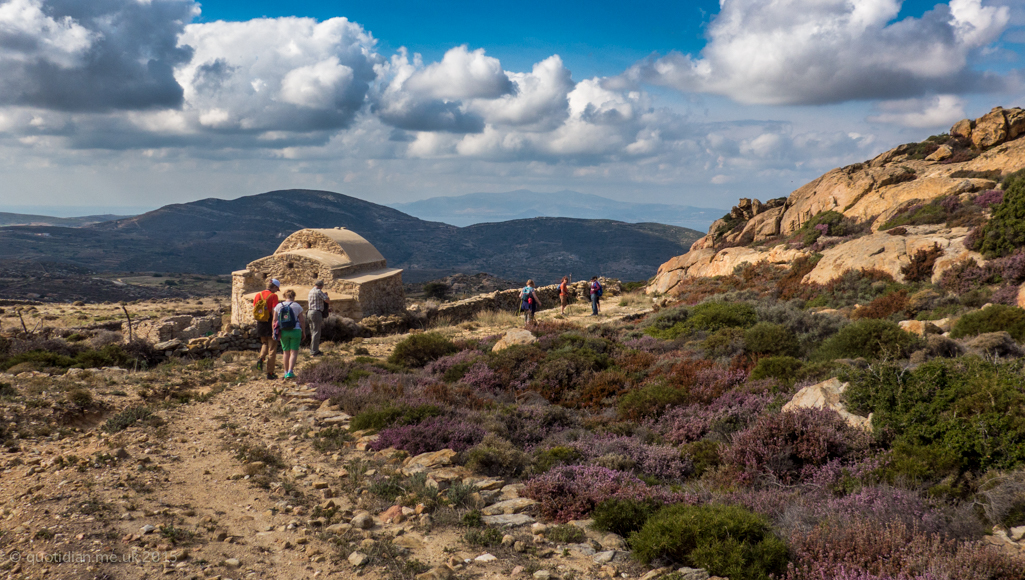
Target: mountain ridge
474, 208
215, 236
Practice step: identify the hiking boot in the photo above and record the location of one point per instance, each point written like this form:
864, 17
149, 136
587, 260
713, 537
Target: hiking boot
317, 354
259, 364
271, 377
289, 375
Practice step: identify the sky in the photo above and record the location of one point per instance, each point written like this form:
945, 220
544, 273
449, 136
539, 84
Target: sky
118, 106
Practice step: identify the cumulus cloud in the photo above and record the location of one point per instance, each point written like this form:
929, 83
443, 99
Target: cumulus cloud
277, 74
786, 52
538, 101
461, 74
939, 111
92, 56
413, 110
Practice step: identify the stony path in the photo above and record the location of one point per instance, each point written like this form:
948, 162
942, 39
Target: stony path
176, 500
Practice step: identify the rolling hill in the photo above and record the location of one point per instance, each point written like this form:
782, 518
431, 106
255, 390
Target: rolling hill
214, 236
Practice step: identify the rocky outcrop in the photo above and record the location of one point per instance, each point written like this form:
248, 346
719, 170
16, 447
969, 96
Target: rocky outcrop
827, 395
869, 193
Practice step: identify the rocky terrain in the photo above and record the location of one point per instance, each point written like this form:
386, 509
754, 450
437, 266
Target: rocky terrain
867, 197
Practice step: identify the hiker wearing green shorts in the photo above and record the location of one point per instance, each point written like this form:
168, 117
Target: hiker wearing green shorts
289, 322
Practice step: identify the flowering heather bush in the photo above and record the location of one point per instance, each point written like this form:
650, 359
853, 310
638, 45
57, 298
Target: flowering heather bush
645, 344
571, 492
895, 550
482, 378
964, 276
328, 391
327, 372
1006, 294
442, 365
711, 383
660, 461
989, 197
432, 434
526, 427
729, 413
785, 446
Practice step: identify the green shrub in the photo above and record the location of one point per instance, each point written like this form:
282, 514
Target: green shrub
378, 418
947, 415
766, 338
725, 342
704, 454
808, 234
1005, 231
650, 401
565, 534
712, 316
871, 339
420, 349
496, 457
622, 516
80, 397
783, 368
991, 319
549, 458
485, 538
725, 540
126, 419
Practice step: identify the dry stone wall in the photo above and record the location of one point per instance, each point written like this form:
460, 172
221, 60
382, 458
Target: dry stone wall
509, 300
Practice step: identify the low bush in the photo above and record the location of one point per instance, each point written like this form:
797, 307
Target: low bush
871, 339
571, 492
727, 541
920, 268
712, 316
432, 434
1005, 231
995, 318
782, 368
948, 416
126, 419
496, 457
545, 459
650, 401
565, 534
663, 462
786, 447
884, 306
732, 412
380, 417
622, 516
420, 349
770, 339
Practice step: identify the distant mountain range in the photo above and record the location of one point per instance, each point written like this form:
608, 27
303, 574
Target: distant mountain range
475, 208
215, 236
20, 219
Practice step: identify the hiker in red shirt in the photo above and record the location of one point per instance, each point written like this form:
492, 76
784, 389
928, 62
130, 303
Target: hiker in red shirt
564, 293
263, 311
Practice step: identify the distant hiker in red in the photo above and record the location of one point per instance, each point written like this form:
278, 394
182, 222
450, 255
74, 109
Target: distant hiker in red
263, 311
529, 302
564, 293
596, 292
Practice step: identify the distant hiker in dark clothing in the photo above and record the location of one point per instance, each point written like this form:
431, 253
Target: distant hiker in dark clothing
564, 293
318, 305
596, 292
528, 301
263, 311
289, 322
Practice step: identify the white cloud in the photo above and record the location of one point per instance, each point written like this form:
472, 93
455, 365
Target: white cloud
824, 51
461, 74
939, 111
539, 99
281, 74
29, 35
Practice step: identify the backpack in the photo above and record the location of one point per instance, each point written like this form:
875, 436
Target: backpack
527, 295
286, 318
600, 289
261, 312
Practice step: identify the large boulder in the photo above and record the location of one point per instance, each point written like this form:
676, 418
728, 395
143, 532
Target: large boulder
827, 395
514, 337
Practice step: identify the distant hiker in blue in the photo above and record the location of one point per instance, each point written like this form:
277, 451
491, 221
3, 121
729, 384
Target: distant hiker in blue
289, 321
529, 302
596, 292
